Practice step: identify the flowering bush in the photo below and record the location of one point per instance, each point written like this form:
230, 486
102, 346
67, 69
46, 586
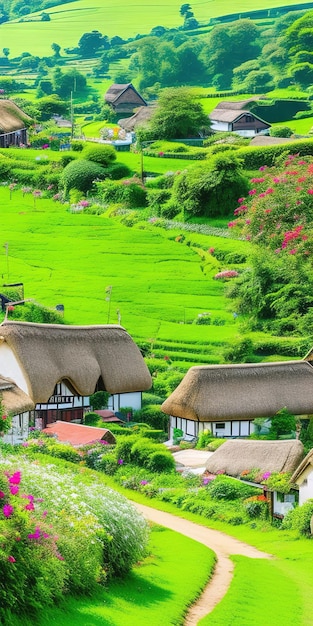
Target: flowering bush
226, 274
278, 211
44, 516
5, 420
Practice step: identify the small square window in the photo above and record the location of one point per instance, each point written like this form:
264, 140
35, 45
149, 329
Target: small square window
220, 426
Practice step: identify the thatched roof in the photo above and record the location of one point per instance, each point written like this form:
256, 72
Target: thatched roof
266, 140
80, 355
12, 117
232, 115
118, 89
14, 400
244, 391
304, 468
141, 117
238, 105
237, 455
78, 434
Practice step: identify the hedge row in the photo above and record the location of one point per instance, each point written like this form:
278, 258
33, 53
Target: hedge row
254, 158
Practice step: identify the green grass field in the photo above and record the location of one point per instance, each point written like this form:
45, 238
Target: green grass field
162, 586
120, 17
71, 258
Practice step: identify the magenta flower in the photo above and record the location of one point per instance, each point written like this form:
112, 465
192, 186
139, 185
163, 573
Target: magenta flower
144, 482
8, 510
11, 559
2, 494
15, 479
120, 461
266, 475
14, 490
36, 534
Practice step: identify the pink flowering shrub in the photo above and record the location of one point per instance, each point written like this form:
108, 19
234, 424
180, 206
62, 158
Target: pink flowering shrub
278, 211
226, 274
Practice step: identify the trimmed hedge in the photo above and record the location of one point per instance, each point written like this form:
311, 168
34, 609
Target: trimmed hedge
254, 158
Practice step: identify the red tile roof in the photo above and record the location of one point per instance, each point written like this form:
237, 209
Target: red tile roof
108, 416
78, 434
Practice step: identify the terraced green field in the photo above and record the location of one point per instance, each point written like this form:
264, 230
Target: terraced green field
125, 18
158, 285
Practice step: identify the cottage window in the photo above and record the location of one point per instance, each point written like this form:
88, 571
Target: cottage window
249, 118
220, 426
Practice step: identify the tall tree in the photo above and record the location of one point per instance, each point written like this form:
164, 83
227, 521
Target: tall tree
178, 115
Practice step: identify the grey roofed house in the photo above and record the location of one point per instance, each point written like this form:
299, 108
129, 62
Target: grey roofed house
124, 97
214, 393
236, 117
236, 455
38, 356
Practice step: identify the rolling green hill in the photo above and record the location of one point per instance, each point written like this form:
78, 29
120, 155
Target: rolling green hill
125, 18
158, 285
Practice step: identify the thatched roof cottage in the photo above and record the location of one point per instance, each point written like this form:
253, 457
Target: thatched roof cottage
39, 357
236, 117
124, 98
227, 398
235, 456
13, 124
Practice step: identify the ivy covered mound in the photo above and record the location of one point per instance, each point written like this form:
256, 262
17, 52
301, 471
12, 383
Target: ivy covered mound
277, 216
60, 533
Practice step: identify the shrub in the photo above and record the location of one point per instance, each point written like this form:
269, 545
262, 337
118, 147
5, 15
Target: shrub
116, 171
77, 146
299, 519
161, 461
225, 488
257, 506
215, 443
66, 159
80, 174
92, 419
153, 416
102, 155
205, 437
123, 448
107, 463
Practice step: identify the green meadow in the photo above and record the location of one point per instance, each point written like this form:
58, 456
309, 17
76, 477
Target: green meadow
159, 286
120, 17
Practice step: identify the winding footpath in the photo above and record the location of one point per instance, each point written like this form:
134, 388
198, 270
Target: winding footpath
223, 546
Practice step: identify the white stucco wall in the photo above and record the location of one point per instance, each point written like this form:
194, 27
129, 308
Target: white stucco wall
306, 488
10, 367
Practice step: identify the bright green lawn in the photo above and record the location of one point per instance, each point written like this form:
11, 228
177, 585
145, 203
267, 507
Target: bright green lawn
157, 283
125, 18
157, 591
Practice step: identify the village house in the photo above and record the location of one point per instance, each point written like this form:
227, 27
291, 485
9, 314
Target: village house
141, 117
13, 124
234, 117
225, 399
236, 456
124, 98
52, 370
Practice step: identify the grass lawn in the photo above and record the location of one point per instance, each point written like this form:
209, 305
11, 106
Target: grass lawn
277, 592
71, 258
159, 588
126, 19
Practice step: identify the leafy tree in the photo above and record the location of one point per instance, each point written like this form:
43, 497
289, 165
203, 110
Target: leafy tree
283, 423
67, 82
56, 49
6, 51
184, 9
45, 87
90, 43
303, 74
178, 115
191, 23
258, 81
49, 105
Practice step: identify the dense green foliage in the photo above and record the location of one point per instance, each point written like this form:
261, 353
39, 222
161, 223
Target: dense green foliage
80, 174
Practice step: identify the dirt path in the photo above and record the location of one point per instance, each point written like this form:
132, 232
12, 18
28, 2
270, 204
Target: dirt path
223, 546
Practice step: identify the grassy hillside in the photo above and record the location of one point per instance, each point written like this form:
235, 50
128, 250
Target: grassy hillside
158, 285
125, 18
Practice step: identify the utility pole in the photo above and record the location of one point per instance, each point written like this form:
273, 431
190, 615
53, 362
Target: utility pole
72, 116
108, 293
